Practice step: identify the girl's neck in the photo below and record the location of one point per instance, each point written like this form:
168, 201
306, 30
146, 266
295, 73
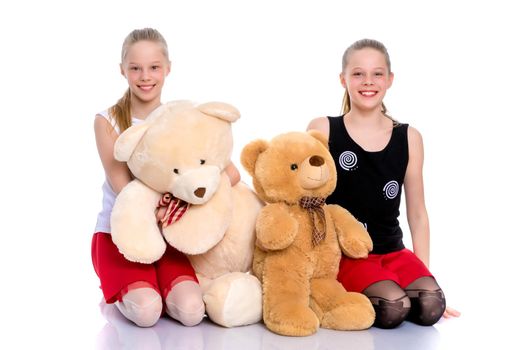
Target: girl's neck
371, 119
141, 109
371, 131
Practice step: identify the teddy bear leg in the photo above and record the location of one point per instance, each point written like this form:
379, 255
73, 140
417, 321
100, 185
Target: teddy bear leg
339, 309
286, 301
233, 299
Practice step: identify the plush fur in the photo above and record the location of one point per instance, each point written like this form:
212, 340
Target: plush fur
300, 289
182, 148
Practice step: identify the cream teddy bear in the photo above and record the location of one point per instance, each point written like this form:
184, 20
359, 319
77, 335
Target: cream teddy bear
177, 156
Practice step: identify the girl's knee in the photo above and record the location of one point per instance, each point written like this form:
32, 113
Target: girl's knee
184, 303
143, 306
427, 308
391, 313
390, 303
428, 301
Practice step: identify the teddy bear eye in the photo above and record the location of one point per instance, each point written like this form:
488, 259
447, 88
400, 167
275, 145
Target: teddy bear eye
203, 161
293, 167
176, 171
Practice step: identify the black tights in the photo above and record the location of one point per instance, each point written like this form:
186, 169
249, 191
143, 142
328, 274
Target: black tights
422, 302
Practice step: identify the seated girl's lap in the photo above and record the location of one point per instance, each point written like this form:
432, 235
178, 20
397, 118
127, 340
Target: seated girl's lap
402, 267
117, 274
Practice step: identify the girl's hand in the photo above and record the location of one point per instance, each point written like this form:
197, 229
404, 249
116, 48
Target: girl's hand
450, 312
233, 174
161, 211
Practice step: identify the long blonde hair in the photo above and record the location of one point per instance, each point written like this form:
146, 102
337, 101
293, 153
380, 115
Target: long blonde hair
358, 45
121, 111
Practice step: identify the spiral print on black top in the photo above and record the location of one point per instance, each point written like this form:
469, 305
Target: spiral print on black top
391, 190
348, 160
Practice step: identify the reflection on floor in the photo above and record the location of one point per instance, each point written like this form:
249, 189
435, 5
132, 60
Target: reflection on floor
119, 333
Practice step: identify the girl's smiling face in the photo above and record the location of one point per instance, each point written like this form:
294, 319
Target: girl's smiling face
366, 78
145, 67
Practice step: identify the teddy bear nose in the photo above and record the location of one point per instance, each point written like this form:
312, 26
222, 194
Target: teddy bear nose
316, 161
199, 192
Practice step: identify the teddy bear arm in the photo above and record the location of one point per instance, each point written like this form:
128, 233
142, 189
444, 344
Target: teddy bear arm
354, 240
134, 227
275, 227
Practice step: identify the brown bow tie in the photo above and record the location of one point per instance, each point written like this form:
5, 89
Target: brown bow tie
314, 205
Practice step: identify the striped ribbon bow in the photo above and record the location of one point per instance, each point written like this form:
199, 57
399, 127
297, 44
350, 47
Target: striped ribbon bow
175, 208
314, 205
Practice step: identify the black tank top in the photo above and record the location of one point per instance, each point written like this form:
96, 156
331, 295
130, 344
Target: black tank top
369, 184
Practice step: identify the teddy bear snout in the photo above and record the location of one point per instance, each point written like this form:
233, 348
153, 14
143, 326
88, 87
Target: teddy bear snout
313, 172
196, 186
316, 161
200, 192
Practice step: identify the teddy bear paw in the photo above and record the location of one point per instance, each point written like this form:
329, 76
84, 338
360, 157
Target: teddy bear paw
146, 253
234, 299
292, 319
356, 313
357, 248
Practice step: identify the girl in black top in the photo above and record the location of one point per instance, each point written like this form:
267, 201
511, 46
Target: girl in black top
376, 157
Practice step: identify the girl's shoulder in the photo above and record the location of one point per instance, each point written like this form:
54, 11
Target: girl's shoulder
105, 114
415, 140
321, 124
412, 132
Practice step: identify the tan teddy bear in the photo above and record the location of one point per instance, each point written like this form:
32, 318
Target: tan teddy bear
177, 156
299, 238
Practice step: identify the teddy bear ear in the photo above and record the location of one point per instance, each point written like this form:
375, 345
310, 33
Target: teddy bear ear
220, 110
128, 141
250, 153
319, 136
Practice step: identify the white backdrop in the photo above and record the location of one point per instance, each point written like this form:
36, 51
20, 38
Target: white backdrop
459, 76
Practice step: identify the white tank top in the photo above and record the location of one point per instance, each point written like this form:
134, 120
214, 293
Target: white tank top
108, 195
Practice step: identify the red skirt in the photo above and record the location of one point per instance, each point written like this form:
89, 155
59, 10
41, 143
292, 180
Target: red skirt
116, 273
402, 267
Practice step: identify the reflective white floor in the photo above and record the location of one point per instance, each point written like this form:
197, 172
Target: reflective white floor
466, 332
85, 324
119, 333
70, 315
